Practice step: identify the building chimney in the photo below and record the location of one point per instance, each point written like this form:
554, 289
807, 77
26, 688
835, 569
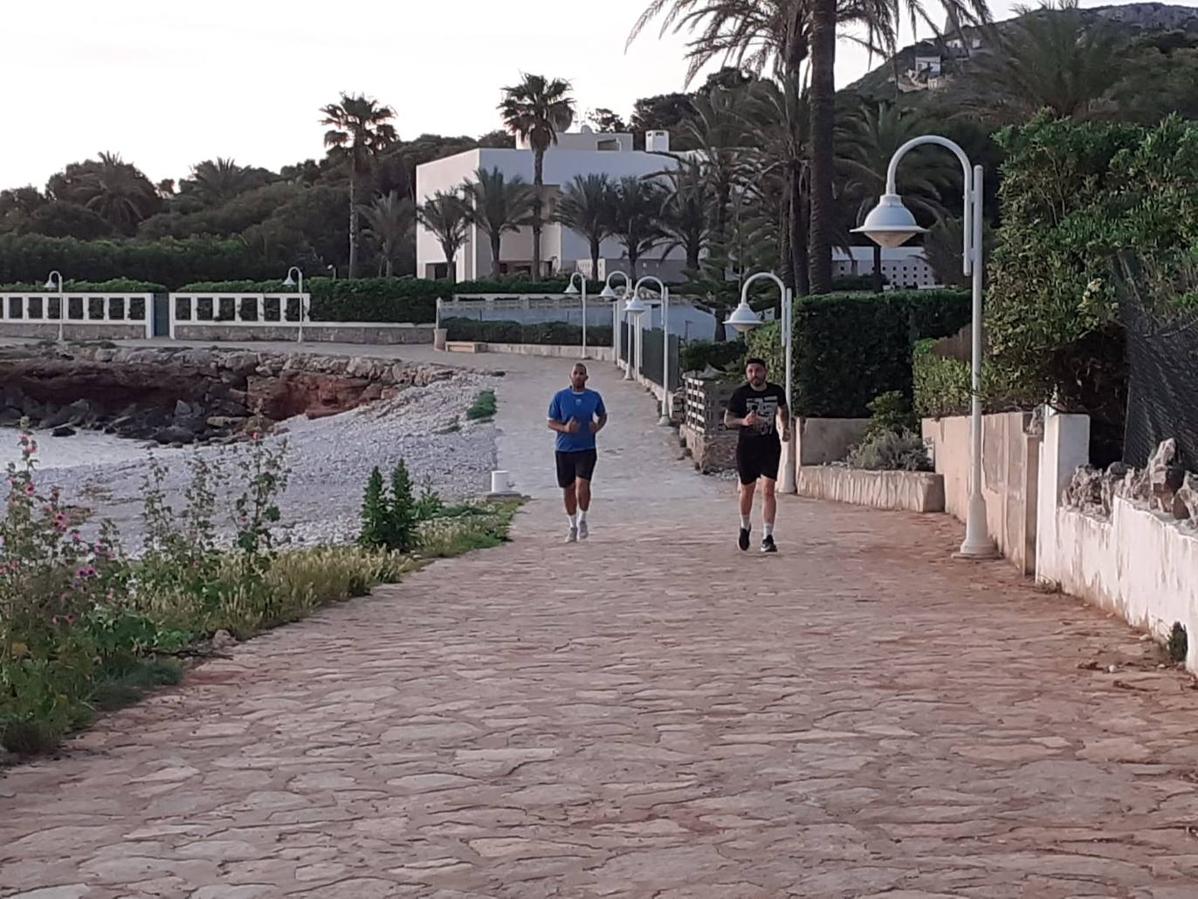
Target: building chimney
657, 141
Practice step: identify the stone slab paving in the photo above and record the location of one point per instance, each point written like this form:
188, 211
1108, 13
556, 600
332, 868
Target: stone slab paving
648, 714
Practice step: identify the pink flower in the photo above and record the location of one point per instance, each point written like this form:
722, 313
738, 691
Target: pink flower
30, 489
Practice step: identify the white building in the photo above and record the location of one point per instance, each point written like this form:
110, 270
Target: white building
579, 153
563, 250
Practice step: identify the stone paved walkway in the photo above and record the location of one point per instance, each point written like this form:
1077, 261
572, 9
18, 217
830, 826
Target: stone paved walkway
650, 714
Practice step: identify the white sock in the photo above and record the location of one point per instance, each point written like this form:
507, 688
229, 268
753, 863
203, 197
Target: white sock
746, 522
769, 528
573, 523
582, 515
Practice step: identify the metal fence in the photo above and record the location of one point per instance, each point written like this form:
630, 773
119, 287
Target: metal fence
1162, 359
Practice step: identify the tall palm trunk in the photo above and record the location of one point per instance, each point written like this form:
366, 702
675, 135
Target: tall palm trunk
390, 268
878, 285
823, 114
496, 239
594, 259
353, 221
799, 214
538, 180
451, 270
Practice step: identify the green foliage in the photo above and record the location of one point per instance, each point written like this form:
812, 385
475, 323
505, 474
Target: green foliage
941, 384
890, 413
848, 348
724, 355
890, 451
115, 285
390, 519
540, 333
484, 406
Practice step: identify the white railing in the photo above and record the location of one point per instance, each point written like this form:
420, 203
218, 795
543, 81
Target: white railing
95, 309
240, 310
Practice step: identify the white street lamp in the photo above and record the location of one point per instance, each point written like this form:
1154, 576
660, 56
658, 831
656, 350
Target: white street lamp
55, 280
634, 308
572, 291
292, 282
743, 320
664, 421
891, 224
609, 294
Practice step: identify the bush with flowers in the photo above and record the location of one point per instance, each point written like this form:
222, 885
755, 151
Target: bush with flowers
86, 627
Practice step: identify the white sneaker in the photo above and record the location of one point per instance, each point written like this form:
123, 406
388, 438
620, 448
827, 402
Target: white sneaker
572, 536
583, 530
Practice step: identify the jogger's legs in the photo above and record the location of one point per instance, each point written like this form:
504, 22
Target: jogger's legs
746, 499
570, 498
769, 503
582, 490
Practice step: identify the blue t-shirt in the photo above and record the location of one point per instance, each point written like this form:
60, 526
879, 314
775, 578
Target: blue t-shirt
586, 406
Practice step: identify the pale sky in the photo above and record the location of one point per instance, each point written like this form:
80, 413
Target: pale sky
168, 84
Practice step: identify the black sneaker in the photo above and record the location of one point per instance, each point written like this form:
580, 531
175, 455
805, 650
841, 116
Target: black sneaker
743, 540
768, 545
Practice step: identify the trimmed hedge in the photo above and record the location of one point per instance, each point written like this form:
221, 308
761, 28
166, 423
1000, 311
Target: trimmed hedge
541, 333
698, 354
849, 348
116, 285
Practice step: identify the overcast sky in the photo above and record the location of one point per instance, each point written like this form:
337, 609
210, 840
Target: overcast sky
167, 84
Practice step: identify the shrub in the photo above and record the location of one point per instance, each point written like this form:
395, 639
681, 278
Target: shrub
891, 451
114, 285
723, 355
848, 348
484, 406
941, 385
390, 519
890, 413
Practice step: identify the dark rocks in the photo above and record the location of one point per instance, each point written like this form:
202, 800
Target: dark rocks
63, 431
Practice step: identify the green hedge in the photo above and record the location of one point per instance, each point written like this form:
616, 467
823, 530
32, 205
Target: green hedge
849, 348
116, 285
698, 354
542, 333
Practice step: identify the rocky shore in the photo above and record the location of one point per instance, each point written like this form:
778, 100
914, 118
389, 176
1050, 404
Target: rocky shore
339, 416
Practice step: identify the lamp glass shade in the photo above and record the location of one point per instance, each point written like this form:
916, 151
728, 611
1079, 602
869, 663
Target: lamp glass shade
607, 293
743, 319
571, 290
289, 281
890, 223
50, 285
635, 306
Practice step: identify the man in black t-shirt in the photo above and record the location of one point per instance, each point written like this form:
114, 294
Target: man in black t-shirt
758, 410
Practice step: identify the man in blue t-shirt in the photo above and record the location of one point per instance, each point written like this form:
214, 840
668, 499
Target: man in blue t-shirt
576, 414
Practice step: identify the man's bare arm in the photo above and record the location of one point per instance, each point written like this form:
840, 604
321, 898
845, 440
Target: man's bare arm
599, 424
562, 427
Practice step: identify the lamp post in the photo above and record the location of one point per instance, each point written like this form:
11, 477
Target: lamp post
664, 421
743, 320
609, 294
572, 291
635, 308
292, 282
891, 224
55, 280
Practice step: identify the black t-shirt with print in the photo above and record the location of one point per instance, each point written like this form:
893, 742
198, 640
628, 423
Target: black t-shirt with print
765, 402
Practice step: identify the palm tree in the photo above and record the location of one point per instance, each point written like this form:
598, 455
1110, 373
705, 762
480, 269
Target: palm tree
635, 218
718, 130
791, 35
116, 191
1050, 58
586, 206
497, 205
390, 219
359, 130
537, 109
446, 216
866, 141
684, 216
217, 181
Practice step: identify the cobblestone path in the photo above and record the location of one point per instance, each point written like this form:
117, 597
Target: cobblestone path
648, 714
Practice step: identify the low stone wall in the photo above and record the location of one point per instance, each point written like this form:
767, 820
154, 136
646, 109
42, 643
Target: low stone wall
910, 491
710, 452
1010, 472
377, 334
1135, 562
74, 330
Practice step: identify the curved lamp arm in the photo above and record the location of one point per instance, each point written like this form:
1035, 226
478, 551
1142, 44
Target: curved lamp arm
972, 203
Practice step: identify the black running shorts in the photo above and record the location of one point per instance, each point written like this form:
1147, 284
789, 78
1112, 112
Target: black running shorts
758, 459
572, 467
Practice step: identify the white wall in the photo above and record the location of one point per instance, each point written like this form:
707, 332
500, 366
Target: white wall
1139, 564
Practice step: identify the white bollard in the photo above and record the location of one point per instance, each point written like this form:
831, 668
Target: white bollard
500, 482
